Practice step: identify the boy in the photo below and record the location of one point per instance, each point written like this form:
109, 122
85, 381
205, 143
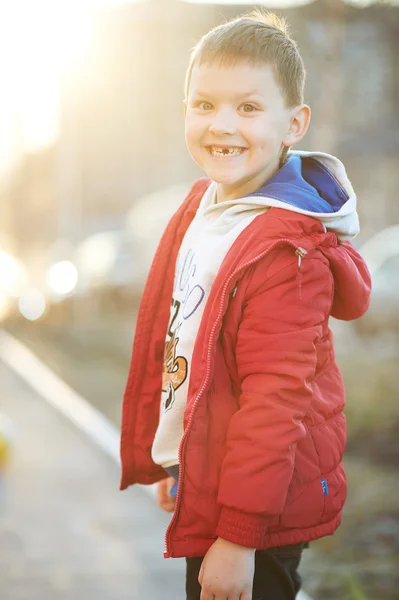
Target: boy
233, 388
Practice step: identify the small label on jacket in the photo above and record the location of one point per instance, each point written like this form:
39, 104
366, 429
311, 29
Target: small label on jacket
324, 486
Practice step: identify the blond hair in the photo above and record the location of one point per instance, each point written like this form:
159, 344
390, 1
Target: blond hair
261, 38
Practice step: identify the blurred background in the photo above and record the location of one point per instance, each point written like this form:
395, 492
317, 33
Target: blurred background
93, 163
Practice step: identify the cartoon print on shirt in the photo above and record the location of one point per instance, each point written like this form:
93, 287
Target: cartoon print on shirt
175, 368
193, 295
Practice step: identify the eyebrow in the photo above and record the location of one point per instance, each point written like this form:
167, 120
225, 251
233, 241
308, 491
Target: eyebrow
246, 95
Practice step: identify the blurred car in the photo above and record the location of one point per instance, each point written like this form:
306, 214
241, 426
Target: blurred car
381, 254
105, 259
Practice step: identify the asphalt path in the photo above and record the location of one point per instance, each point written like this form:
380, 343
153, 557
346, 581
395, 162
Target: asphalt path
66, 531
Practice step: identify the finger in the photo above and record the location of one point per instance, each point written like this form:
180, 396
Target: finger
167, 504
238, 597
246, 596
207, 596
161, 491
218, 596
164, 499
167, 507
201, 573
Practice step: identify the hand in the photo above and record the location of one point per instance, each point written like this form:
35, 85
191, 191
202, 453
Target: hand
227, 572
164, 499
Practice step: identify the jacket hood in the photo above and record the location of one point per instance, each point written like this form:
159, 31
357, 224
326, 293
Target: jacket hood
309, 183
314, 184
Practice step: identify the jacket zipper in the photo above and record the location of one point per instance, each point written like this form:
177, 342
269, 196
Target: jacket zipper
301, 253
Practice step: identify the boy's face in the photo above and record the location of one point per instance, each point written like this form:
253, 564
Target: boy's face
240, 110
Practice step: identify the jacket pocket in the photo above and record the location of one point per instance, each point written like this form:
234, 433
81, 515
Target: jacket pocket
305, 508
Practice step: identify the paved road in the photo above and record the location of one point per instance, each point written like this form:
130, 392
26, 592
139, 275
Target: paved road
66, 532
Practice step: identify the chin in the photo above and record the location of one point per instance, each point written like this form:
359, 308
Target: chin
224, 181
229, 178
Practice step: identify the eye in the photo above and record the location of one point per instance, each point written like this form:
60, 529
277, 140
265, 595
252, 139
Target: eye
204, 105
249, 108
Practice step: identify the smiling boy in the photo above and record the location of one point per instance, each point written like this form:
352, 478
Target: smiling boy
239, 124
233, 389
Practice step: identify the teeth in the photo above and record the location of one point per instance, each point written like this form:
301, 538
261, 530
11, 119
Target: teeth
215, 151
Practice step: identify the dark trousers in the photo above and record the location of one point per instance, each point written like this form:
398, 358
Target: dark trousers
276, 574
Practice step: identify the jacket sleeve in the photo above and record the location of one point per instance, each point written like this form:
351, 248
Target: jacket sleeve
350, 301
283, 317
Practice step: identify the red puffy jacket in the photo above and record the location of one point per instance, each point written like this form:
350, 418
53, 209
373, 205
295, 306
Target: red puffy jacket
261, 455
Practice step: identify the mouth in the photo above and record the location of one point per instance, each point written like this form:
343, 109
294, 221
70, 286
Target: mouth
226, 151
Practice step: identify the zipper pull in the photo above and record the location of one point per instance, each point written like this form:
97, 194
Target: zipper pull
234, 292
301, 253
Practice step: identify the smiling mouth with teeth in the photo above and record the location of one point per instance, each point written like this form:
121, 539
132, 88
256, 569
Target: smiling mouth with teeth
234, 151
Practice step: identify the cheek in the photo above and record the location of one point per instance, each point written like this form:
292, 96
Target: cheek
267, 145
264, 134
193, 134
254, 134
194, 128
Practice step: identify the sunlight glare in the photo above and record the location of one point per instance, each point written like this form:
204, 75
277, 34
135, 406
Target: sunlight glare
13, 275
32, 304
272, 4
39, 41
62, 278
5, 307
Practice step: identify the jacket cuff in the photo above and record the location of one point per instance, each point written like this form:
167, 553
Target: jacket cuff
244, 529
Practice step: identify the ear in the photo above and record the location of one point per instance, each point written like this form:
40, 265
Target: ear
299, 123
185, 107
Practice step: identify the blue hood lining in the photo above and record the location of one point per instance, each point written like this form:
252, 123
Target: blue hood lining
307, 184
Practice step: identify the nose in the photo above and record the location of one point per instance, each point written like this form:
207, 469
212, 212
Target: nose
224, 122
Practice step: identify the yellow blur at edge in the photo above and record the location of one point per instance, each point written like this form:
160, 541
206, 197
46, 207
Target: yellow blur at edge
6, 441
5, 451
